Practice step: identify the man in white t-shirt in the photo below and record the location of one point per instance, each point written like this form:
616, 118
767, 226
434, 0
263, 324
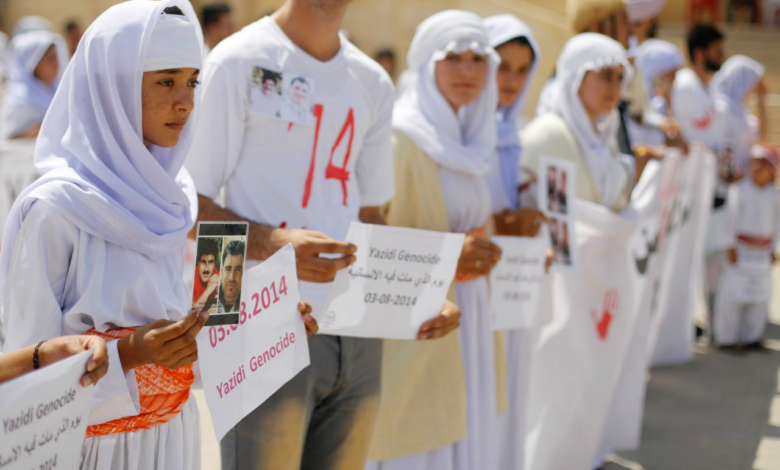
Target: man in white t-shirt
699, 114
288, 179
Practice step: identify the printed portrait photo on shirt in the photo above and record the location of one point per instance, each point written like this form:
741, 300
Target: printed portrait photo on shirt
266, 93
297, 98
207, 268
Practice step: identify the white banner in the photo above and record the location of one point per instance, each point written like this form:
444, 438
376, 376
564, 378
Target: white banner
579, 354
242, 365
516, 282
684, 267
399, 281
44, 417
668, 202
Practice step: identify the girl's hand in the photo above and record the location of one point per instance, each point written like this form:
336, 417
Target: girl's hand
479, 256
447, 321
165, 343
57, 349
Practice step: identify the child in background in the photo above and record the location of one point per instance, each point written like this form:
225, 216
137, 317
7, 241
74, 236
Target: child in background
753, 226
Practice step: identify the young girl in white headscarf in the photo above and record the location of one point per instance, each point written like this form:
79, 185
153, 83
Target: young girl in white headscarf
445, 136
659, 61
582, 124
96, 245
515, 44
37, 60
737, 78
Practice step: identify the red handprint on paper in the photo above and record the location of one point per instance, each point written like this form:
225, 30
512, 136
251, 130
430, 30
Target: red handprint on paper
610, 308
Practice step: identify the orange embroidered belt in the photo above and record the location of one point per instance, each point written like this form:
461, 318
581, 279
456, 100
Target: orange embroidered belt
162, 393
460, 277
755, 242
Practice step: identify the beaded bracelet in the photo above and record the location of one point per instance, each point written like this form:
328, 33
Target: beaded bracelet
36, 365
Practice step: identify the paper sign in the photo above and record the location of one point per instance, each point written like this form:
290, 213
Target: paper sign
752, 258
556, 195
751, 284
242, 365
219, 269
44, 417
516, 282
400, 280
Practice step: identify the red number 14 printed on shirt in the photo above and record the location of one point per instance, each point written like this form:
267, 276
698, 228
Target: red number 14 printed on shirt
332, 171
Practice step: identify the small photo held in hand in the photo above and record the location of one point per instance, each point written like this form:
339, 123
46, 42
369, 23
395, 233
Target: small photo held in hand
266, 92
219, 270
555, 195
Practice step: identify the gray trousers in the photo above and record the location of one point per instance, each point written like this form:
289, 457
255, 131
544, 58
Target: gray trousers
323, 419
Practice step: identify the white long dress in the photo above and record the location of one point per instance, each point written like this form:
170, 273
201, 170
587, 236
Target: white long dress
468, 207
64, 281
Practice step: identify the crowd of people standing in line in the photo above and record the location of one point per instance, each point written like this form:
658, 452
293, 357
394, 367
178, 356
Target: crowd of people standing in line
153, 123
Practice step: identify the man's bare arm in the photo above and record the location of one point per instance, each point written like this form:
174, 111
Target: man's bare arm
264, 241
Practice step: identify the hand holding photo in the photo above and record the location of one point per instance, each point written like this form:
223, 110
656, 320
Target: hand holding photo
219, 270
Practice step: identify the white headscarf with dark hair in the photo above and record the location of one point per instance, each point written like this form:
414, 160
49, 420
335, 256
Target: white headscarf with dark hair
738, 75
654, 58
96, 169
462, 142
590, 52
27, 98
735, 79
502, 29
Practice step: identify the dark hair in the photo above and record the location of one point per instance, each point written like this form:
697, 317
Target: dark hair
71, 25
234, 248
701, 36
208, 246
269, 75
385, 53
212, 13
522, 41
173, 11
299, 79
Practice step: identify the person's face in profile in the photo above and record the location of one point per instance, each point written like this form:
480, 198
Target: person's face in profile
207, 265
269, 86
299, 93
232, 274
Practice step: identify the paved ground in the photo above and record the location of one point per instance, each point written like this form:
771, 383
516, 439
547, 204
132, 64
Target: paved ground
718, 412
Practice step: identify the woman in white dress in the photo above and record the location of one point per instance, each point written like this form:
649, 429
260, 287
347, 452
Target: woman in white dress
96, 245
37, 60
520, 55
444, 121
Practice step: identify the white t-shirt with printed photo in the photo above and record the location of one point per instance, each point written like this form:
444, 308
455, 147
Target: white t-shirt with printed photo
285, 174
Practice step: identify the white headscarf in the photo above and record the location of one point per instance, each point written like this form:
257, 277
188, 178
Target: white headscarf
502, 29
589, 52
654, 58
97, 171
31, 23
640, 10
464, 142
26, 98
735, 79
